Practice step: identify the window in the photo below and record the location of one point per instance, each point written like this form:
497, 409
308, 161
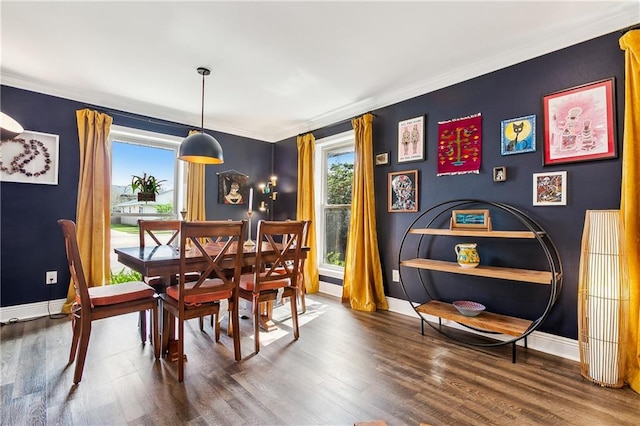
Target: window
334, 162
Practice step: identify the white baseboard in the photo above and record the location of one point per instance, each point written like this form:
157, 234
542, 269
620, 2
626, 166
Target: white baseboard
30, 310
544, 342
539, 341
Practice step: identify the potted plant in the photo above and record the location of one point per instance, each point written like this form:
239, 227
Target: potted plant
148, 186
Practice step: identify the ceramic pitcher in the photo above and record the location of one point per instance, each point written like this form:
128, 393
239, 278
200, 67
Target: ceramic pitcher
467, 255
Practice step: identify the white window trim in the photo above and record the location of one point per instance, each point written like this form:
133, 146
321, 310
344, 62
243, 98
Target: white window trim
144, 137
346, 139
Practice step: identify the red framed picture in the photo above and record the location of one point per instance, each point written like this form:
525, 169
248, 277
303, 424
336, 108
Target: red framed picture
579, 124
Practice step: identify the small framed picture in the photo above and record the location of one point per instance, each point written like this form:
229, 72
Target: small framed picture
382, 158
477, 220
30, 157
518, 135
579, 124
403, 192
232, 188
499, 174
411, 140
550, 189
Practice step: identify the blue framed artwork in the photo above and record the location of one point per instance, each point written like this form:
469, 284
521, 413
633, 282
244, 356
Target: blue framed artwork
518, 135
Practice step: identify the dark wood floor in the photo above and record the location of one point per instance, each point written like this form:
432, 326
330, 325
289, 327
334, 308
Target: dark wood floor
347, 367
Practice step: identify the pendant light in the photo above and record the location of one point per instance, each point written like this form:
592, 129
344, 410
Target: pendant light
201, 147
9, 128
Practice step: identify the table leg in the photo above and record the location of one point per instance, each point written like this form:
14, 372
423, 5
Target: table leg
266, 314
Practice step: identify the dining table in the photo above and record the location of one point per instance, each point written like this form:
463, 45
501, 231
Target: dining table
164, 261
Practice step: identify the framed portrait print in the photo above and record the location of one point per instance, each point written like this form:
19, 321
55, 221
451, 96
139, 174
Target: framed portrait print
411, 140
382, 158
518, 135
579, 124
30, 157
232, 188
403, 192
550, 189
499, 174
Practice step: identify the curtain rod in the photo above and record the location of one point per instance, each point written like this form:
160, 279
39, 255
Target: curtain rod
134, 117
340, 122
631, 28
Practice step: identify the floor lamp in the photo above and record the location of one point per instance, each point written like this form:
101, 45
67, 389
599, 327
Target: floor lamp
603, 299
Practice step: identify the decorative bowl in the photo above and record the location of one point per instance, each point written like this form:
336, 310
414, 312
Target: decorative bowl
468, 308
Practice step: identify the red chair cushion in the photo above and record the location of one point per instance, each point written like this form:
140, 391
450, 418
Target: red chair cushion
212, 295
247, 283
119, 293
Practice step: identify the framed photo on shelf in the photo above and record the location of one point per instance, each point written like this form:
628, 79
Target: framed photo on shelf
518, 135
550, 189
411, 140
579, 124
30, 157
403, 192
382, 158
477, 220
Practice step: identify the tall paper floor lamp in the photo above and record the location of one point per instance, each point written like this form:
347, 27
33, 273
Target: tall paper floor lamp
603, 299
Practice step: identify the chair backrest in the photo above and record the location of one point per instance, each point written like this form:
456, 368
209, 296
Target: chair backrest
279, 245
220, 243
147, 227
75, 262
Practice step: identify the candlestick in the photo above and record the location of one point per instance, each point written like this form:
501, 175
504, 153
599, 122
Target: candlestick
249, 244
250, 199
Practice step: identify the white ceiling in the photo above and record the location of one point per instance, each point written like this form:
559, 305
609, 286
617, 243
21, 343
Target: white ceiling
279, 68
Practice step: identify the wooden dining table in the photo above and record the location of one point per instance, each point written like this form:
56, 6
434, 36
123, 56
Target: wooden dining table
164, 261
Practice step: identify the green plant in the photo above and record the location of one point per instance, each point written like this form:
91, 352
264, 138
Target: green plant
124, 276
146, 184
334, 258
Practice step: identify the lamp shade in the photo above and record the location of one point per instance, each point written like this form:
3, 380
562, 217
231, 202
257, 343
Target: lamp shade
9, 128
603, 299
201, 148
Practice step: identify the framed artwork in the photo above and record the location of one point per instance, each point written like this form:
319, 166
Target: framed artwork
403, 192
411, 140
382, 158
579, 124
30, 157
478, 220
518, 135
499, 174
232, 188
550, 189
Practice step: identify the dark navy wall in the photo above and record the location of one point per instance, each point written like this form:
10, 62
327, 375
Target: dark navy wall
31, 241
508, 93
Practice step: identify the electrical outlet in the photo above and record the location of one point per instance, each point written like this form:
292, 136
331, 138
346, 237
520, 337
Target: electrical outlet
52, 277
395, 275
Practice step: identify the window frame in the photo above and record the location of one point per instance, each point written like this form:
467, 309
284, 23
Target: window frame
322, 147
134, 136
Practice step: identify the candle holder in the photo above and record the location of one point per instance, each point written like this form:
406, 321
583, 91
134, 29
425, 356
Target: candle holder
249, 244
183, 213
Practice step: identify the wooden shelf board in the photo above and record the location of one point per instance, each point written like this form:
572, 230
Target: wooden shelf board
472, 233
485, 321
513, 274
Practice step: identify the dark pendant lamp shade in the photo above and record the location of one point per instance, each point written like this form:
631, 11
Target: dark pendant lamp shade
201, 147
9, 128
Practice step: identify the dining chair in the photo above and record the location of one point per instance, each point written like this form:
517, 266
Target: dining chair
220, 245
103, 301
161, 232
278, 249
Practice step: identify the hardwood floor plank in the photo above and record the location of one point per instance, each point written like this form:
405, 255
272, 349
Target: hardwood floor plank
347, 367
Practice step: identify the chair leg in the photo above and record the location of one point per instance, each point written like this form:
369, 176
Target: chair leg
256, 324
85, 334
166, 331
303, 303
180, 360
75, 327
216, 326
143, 326
201, 322
233, 321
156, 332
294, 314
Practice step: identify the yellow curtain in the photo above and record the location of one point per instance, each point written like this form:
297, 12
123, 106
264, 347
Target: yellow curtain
630, 200
195, 192
363, 287
305, 209
93, 214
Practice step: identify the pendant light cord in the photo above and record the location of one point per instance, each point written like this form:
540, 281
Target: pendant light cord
202, 106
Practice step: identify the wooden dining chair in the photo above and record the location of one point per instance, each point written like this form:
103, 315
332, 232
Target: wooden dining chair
220, 245
98, 302
276, 267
